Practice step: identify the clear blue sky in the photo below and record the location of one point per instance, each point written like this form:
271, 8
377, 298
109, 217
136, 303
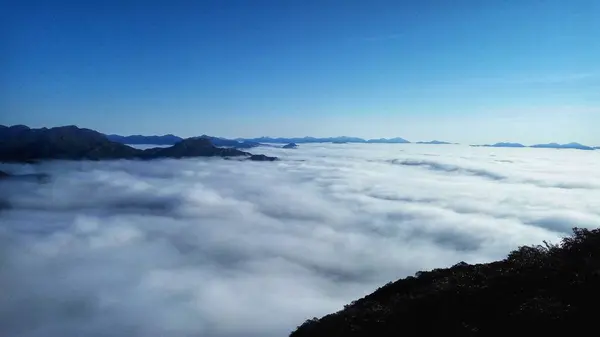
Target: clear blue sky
467, 71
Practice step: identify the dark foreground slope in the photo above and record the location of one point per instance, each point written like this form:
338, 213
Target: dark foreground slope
546, 290
22, 144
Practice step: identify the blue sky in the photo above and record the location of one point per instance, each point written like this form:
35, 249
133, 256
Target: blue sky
466, 71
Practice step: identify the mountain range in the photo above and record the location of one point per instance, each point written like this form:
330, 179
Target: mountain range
338, 140
244, 144
501, 145
247, 143
265, 141
575, 146
139, 139
303, 140
21, 144
434, 142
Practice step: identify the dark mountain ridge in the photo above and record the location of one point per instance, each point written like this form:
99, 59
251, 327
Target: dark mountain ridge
139, 139
224, 142
22, 144
247, 143
172, 140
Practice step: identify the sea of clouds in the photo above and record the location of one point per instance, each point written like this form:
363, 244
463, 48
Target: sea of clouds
223, 248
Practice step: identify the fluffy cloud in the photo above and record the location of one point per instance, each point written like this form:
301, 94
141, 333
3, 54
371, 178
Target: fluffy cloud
210, 247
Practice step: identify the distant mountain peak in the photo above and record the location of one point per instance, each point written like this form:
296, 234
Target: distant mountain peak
572, 145
434, 142
508, 144
396, 140
141, 139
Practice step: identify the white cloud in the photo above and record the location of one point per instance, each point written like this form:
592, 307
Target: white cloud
210, 247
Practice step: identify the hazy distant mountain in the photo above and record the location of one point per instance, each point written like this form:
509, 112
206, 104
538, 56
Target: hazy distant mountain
434, 142
247, 143
217, 141
543, 146
22, 144
172, 139
396, 140
335, 140
282, 140
501, 145
576, 146
290, 146
139, 139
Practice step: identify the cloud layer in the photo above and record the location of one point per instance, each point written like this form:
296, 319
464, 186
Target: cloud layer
210, 247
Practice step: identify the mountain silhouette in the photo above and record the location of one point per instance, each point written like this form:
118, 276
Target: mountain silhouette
139, 139
396, 140
171, 140
547, 290
575, 146
224, 142
434, 142
22, 144
502, 144
336, 140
